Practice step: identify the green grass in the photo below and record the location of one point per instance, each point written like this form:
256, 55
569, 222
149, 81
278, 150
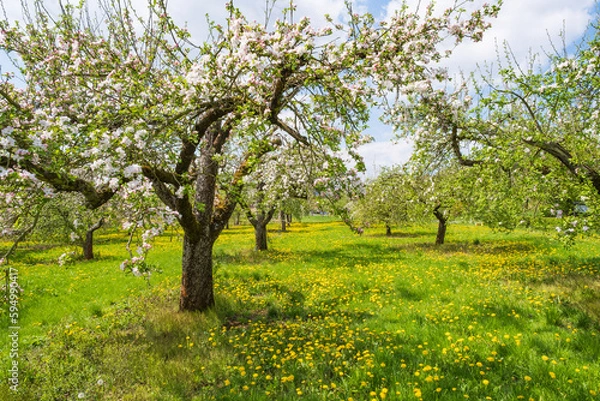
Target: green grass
324, 315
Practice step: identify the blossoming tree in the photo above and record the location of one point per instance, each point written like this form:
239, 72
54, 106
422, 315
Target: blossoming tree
122, 104
530, 132
283, 174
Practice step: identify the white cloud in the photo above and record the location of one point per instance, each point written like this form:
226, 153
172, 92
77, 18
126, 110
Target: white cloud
527, 27
384, 154
194, 13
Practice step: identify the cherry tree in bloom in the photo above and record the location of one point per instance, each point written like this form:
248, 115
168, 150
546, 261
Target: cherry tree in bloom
129, 105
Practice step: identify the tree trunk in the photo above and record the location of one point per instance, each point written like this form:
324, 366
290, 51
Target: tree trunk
260, 228
88, 244
260, 236
289, 219
282, 219
442, 220
388, 230
197, 292
441, 233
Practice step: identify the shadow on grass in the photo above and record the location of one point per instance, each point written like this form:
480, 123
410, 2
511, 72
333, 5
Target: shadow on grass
400, 234
484, 248
368, 253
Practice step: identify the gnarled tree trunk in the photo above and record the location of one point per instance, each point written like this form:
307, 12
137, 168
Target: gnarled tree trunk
442, 224
201, 218
260, 237
197, 275
88, 243
260, 228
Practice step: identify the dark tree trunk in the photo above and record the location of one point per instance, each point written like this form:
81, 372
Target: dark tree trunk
282, 219
88, 243
442, 220
441, 233
289, 219
260, 236
260, 228
388, 230
197, 275
236, 220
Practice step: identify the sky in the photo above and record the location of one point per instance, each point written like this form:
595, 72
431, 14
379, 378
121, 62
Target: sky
527, 26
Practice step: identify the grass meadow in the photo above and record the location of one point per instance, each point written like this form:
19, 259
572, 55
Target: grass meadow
323, 315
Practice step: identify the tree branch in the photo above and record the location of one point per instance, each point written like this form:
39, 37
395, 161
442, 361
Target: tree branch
290, 131
67, 183
455, 143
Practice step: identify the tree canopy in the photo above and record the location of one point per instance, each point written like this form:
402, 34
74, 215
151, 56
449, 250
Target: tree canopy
114, 103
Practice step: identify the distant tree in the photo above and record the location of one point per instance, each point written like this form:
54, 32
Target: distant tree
67, 220
385, 200
440, 192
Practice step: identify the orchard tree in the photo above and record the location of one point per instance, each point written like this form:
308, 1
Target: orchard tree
282, 175
67, 220
338, 190
528, 133
293, 208
418, 191
438, 191
122, 104
384, 201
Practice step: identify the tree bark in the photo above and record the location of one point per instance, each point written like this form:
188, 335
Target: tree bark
442, 220
260, 228
88, 244
388, 230
282, 219
260, 236
197, 275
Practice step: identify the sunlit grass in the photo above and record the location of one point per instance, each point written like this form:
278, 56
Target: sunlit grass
324, 315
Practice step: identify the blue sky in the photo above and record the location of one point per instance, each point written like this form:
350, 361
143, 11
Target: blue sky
526, 25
